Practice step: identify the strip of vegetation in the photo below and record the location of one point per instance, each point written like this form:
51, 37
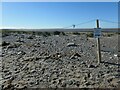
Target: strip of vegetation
41, 33
90, 34
6, 32
110, 34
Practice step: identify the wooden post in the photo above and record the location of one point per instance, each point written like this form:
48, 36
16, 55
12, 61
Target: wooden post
98, 45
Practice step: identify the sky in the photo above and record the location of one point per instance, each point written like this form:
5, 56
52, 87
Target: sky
40, 15
60, 0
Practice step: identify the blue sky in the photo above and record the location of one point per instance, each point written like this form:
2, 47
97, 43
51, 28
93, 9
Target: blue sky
58, 14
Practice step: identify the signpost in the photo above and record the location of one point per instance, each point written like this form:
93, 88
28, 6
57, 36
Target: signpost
97, 34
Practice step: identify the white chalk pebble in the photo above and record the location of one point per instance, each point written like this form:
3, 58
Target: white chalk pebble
111, 57
115, 55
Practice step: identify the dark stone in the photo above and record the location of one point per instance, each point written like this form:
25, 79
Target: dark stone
87, 83
93, 45
5, 43
43, 42
71, 44
30, 37
91, 66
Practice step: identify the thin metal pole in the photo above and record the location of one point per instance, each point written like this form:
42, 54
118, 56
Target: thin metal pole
98, 45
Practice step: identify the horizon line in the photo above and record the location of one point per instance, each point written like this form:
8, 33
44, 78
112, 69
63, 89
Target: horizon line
63, 28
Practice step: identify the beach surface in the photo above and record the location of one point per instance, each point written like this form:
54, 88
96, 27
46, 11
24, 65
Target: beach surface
58, 61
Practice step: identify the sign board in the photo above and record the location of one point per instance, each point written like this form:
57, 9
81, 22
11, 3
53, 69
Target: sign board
97, 32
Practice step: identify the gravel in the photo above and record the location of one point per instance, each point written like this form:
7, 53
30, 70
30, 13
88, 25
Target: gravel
58, 61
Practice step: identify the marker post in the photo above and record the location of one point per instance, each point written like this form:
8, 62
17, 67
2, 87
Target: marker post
98, 44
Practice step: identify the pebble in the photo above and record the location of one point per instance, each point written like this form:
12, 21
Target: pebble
21, 52
70, 82
77, 76
19, 86
43, 42
91, 66
31, 82
115, 55
6, 70
63, 84
33, 71
7, 77
30, 37
93, 45
71, 44
12, 46
111, 57
88, 83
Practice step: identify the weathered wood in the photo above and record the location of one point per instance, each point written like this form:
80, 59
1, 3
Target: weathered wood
98, 45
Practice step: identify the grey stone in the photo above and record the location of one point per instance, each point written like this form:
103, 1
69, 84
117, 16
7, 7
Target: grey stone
21, 53
63, 84
70, 82
88, 83
19, 86
5, 70
31, 82
33, 71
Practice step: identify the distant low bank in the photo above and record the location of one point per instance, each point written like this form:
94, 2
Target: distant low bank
69, 30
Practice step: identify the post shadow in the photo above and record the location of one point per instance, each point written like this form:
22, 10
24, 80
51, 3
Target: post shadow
110, 63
